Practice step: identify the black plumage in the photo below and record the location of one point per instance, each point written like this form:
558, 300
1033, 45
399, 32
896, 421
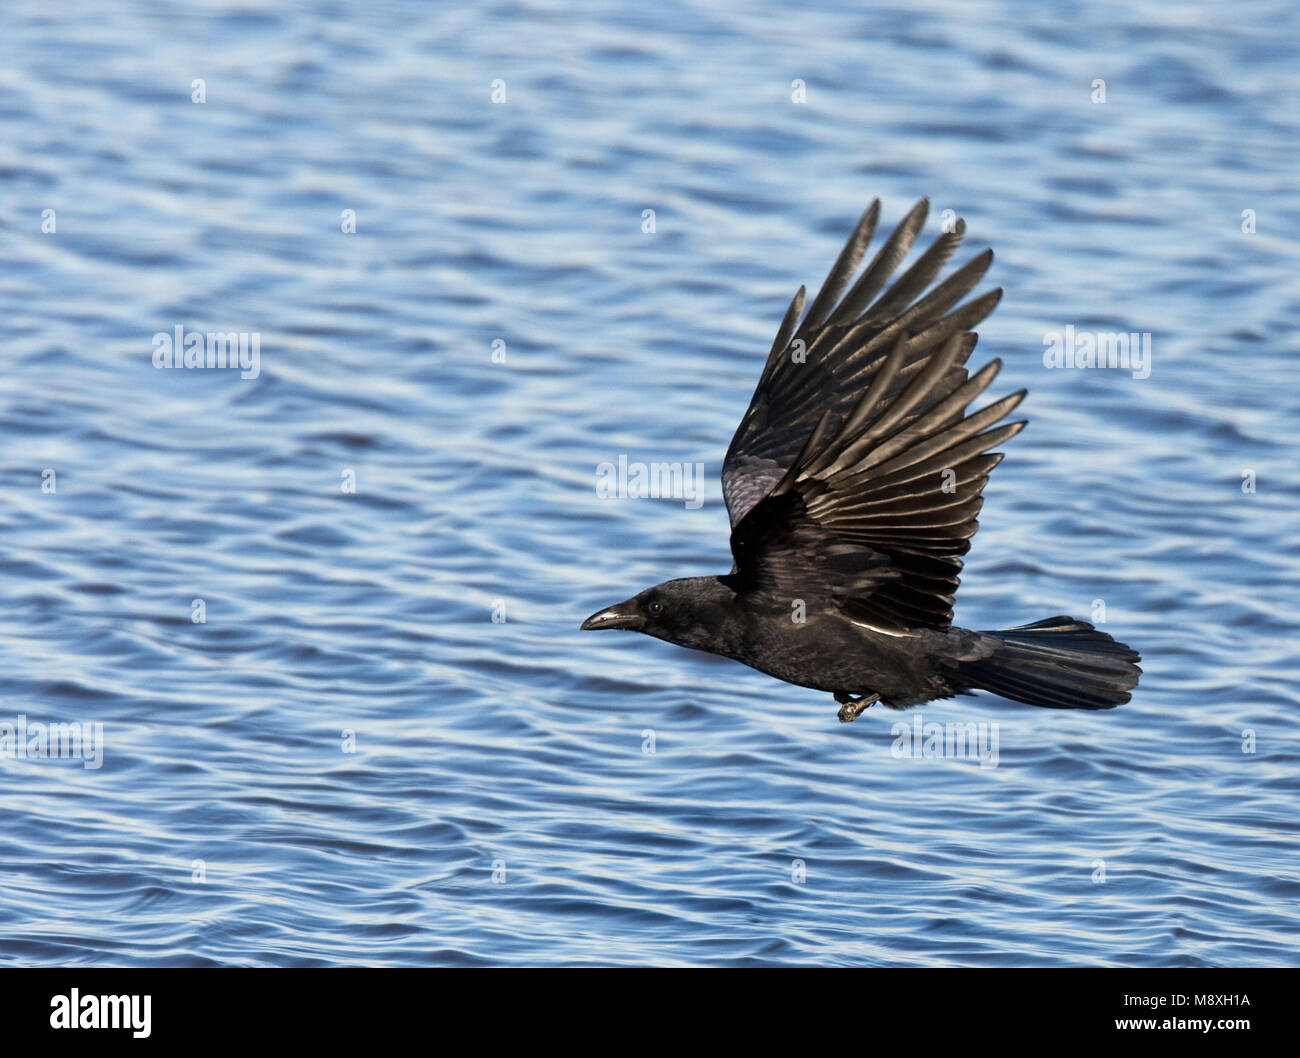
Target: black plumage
853, 484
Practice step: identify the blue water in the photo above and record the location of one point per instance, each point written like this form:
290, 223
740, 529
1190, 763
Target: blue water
495, 801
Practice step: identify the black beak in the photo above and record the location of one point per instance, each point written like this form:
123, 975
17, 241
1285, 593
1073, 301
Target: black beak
622, 615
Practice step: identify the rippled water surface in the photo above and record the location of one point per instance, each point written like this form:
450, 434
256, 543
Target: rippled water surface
348, 761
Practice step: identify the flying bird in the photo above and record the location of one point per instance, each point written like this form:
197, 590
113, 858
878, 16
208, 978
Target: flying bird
853, 483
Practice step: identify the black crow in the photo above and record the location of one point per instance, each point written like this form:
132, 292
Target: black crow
853, 482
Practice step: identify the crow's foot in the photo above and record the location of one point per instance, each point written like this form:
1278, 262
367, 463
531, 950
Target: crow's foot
851, 708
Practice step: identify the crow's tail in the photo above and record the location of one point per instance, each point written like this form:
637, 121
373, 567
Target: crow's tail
1059, 663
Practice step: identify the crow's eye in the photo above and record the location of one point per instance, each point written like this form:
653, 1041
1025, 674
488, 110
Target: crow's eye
656, 608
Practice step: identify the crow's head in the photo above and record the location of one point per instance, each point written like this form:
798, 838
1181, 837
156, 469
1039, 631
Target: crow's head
692, 612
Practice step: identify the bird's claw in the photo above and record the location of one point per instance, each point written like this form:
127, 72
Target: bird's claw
851, 708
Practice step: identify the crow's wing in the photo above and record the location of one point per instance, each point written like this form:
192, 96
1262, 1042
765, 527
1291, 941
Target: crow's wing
870, 468
824, 365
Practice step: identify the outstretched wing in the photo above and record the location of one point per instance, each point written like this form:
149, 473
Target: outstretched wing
841, 343
855, 476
